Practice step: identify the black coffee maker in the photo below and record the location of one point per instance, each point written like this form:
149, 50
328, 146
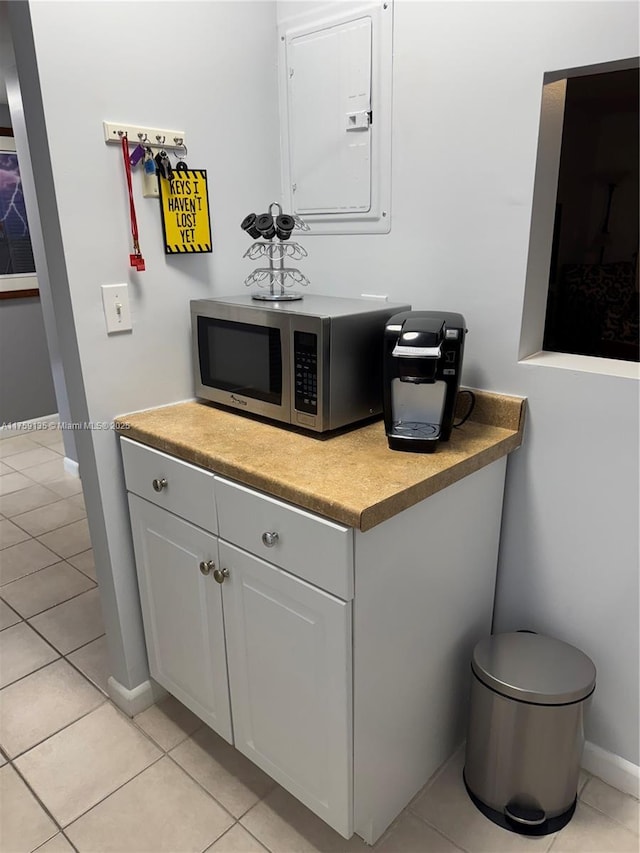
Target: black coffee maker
422, 365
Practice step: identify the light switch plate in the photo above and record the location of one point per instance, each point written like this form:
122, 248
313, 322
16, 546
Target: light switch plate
115, 300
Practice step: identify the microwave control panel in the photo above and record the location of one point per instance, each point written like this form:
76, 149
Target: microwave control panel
305, 351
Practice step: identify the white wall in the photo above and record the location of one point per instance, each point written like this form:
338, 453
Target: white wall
208, 69
26, 385
467, 93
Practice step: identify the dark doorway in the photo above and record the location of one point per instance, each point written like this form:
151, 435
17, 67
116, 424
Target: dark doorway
592, 306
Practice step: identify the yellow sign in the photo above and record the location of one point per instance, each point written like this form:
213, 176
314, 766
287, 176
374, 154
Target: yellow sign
185, 212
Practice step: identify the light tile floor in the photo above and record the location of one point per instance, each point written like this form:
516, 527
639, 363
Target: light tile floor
76, 774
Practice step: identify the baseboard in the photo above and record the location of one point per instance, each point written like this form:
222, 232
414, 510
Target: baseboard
71, 467
611, 768
134, 701
25, 427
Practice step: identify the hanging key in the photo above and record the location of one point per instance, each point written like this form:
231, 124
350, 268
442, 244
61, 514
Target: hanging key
164, 166
181, 165
136, 155
149, 163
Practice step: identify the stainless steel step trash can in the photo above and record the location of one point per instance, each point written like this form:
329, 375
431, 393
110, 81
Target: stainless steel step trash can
525, 737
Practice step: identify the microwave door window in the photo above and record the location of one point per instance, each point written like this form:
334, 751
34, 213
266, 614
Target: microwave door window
241, 358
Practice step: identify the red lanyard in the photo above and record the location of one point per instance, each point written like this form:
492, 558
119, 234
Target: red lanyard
136, 258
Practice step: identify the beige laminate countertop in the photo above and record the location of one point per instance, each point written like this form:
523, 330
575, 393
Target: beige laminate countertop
352, 477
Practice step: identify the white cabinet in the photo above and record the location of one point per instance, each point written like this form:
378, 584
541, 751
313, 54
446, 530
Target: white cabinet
262, 656
336, 660
182, 611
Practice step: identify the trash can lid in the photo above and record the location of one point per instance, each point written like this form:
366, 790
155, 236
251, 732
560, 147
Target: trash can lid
534, 668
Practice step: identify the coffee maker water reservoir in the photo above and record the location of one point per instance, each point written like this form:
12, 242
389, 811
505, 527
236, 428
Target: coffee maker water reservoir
422, 365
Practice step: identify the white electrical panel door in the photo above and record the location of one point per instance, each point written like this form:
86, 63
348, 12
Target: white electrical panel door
329, 101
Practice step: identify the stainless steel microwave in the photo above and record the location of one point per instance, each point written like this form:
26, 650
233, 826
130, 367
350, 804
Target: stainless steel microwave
316, 363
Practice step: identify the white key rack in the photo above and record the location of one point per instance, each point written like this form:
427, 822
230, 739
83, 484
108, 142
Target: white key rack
152, 137
276, 278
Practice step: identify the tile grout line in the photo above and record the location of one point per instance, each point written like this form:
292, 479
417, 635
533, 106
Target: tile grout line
51, 606
35, 570
106, 701
4, 547
164, 754
64, 655
431, 825
71, 844
61, 656
236, 820
41, 506
77, 668
64, 835
20, 452
606, 814
38, 538
46, 506
208, 793
167, 753
37, 669
84, 573
61, 560
255, 837
70, 651
57, 732
37, 798
46, 486
115, 790
24, 473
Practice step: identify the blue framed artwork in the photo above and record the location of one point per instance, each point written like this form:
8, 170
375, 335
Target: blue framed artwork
17, 267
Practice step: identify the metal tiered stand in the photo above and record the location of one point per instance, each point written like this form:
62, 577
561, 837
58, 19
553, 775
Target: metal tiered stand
276, 279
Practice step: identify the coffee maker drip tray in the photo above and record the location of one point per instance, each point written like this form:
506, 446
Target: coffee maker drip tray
415, 429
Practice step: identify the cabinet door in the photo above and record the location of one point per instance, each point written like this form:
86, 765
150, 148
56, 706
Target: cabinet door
182, 611
289, 651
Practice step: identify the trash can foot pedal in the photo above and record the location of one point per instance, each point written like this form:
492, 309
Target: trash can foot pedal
523, 815
522, 820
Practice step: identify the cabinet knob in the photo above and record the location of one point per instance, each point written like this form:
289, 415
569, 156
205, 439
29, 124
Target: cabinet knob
269, 539
159, 485
219, 576
208, 566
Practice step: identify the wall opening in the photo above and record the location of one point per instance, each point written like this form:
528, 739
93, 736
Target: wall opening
581, 297
592, 304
